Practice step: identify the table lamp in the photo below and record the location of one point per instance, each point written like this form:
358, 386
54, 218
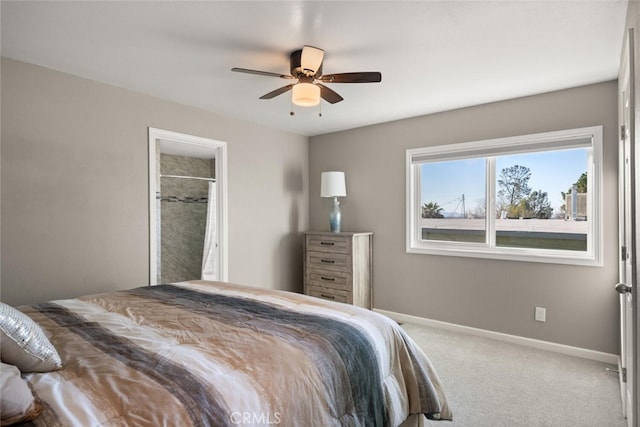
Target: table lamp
332, 184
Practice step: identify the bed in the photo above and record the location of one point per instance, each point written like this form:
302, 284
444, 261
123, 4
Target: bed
204, 353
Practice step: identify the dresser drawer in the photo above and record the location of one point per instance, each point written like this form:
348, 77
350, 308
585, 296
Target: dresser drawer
328, 294
331, 279
327, 243
328, 261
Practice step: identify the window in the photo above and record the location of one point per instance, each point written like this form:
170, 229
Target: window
527, 198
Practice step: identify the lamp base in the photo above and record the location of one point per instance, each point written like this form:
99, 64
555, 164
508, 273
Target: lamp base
335, 216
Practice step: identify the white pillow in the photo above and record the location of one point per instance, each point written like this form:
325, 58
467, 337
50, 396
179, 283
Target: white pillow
24, 344
17, 403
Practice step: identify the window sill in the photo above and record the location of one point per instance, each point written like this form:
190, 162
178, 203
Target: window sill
510, 254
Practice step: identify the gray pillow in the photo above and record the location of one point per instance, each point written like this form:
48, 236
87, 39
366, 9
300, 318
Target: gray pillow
24, 344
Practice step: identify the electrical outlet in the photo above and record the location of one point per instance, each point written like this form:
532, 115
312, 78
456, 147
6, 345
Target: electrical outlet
541, 314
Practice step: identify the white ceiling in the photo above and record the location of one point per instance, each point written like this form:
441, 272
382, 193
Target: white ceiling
433, 55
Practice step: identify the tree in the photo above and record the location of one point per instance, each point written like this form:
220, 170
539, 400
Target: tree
538, 205
514, 186
432, 210
480, 210
581, 183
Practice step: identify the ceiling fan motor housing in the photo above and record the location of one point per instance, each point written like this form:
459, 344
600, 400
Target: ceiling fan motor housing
296, 67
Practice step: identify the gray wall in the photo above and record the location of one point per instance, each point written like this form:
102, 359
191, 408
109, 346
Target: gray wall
496, 295
75, 188
74, 203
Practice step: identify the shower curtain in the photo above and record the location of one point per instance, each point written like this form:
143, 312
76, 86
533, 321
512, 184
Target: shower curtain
210, 252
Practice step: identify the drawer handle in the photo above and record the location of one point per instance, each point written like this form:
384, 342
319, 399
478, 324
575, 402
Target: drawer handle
327, 243
327, 261
328, 279
327, 296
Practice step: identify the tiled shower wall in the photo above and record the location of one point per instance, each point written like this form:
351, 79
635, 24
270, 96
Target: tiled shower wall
183, 223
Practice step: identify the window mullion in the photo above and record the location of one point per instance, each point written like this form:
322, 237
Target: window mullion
417, 181
491, 202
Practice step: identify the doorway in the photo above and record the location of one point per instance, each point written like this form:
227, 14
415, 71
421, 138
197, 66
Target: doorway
187, 208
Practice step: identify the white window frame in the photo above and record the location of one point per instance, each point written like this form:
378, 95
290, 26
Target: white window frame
547, 141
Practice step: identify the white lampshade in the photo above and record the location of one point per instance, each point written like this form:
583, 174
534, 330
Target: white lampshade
306, 94
332, 184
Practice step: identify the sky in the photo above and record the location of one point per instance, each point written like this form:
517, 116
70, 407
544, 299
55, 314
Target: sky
551, 171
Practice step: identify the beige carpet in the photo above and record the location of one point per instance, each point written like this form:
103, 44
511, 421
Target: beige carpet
494, 384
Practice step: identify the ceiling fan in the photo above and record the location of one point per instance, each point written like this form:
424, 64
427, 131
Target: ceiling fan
306, 67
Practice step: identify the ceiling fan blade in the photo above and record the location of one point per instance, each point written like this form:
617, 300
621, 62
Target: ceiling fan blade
363, 77
277, 92
311, 59
261, 73
329, 95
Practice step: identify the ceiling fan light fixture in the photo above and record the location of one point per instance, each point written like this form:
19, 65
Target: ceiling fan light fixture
306, 94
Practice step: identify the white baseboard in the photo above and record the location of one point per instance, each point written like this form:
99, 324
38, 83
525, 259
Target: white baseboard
599, 356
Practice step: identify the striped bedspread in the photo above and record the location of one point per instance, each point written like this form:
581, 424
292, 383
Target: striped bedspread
214, 354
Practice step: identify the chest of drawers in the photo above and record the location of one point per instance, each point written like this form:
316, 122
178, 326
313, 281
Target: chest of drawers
338, 267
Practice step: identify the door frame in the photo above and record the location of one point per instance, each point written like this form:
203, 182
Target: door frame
628, 241
635, 239
200, 144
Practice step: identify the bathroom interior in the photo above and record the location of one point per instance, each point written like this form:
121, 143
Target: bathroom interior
186, 218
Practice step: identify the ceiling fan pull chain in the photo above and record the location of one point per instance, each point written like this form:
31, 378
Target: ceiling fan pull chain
292, 113
320, 109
